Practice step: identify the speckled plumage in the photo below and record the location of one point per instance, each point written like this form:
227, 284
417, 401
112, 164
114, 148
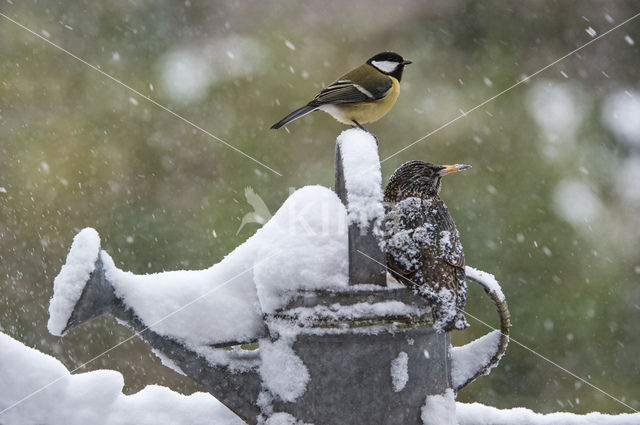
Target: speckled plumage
422, 243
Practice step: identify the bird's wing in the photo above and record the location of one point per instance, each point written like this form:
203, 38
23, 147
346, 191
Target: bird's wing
400, 265
423, 238
371, 85
443, 268
443, 259
449, 246
403, 245
421, 242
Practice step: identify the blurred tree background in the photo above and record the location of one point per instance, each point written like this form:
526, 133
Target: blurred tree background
550, 207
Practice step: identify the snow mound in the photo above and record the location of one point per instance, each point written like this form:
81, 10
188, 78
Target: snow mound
228, 300
400, 371
38, 389
221, 300
479, 414
440, 409
362, 176
281, 418
68, 285
467, 360
309, 234
283, 372
310, 316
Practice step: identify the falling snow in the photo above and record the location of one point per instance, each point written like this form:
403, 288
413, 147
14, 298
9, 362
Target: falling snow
45, 167
620, 112
60, 176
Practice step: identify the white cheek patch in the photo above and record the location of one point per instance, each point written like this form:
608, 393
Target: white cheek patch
385, 66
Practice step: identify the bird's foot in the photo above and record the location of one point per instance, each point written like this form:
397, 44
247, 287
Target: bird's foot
357, 124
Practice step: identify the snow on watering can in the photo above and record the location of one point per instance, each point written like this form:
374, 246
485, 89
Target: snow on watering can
338, 340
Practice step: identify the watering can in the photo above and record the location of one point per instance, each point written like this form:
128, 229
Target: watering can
365, 353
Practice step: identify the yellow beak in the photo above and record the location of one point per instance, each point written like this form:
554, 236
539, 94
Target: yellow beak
453, 168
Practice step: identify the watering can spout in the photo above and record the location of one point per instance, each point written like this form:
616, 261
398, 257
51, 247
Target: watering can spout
96, 299
224, 370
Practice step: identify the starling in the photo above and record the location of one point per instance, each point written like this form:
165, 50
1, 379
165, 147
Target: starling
422, 243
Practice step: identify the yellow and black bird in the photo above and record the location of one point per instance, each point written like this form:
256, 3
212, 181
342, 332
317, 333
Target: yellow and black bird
422, 243
361, 96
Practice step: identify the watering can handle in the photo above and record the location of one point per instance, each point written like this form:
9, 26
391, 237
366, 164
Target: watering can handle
493, 290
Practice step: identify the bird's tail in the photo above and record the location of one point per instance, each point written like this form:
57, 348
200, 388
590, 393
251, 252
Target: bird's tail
294, 116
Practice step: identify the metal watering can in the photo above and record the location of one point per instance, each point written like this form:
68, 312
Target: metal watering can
365, 355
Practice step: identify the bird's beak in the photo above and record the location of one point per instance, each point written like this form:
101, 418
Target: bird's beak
405, 62
446, 169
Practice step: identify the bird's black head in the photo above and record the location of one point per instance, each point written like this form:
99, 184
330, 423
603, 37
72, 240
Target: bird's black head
389, 63
419, 179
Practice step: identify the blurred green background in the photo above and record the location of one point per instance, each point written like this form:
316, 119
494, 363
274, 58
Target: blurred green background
551, 206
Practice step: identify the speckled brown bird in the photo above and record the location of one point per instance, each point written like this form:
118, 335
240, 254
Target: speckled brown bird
422, 243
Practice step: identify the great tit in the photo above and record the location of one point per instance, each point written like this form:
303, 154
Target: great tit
363, 95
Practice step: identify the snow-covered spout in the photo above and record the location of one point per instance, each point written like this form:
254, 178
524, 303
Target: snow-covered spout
363, 180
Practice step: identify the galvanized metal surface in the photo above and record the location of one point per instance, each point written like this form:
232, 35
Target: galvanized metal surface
350, 377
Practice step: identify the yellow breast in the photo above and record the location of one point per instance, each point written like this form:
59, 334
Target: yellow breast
365, 112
